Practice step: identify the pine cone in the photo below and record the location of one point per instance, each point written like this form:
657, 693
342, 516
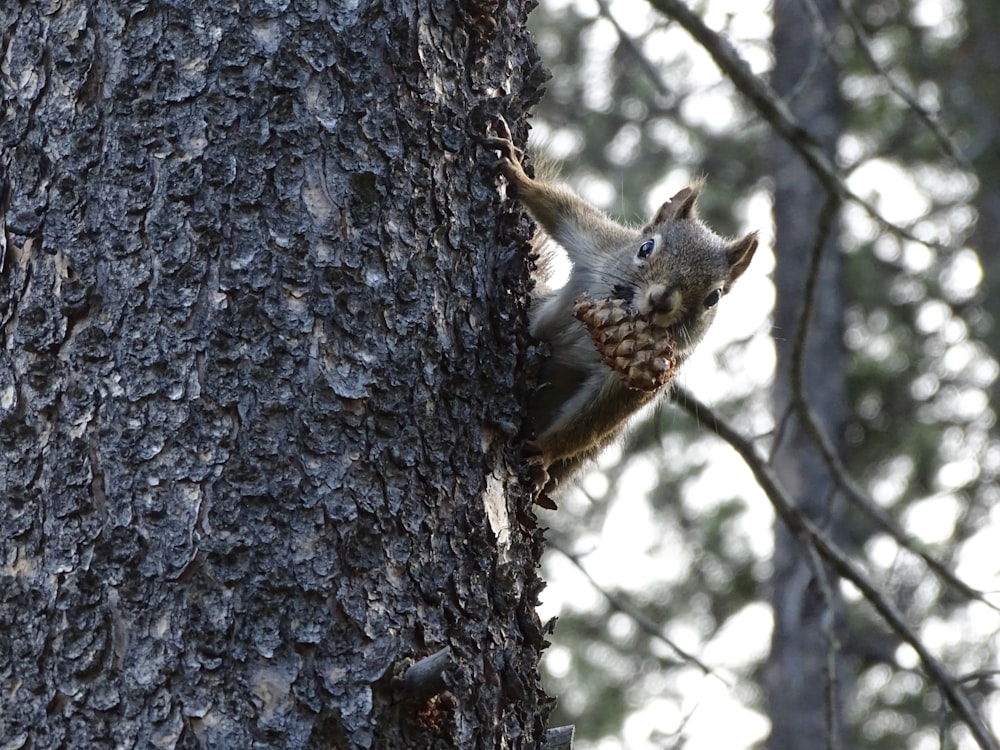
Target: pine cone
641, 352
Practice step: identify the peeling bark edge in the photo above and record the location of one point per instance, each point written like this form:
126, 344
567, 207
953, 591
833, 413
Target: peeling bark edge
560, 738
428, 677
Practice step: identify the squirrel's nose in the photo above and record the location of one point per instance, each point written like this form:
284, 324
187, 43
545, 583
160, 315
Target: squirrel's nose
663, 302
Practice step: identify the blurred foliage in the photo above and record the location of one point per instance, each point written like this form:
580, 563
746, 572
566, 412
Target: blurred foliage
627, 113
613, 120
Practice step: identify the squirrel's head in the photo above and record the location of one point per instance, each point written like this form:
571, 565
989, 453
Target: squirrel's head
679, 269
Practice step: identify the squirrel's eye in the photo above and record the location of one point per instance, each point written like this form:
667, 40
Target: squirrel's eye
713, 298
645, 249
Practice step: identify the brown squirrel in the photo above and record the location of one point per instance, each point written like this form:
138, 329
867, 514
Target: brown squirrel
674, 271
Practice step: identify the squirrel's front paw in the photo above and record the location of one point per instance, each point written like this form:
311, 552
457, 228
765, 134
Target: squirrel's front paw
510, 155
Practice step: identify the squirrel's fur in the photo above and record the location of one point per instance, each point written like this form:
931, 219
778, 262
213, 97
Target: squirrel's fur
675, 269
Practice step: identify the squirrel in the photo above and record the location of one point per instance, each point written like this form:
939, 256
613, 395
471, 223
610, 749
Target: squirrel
674, 270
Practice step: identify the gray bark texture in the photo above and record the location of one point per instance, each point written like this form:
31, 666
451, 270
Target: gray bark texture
974, 88
261, 335
803, 697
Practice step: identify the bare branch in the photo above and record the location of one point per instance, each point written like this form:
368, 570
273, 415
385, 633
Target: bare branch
800, 404
770, 106
768, 102
800, 526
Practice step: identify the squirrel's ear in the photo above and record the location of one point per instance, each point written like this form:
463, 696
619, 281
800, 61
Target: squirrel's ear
739, 254
681, 206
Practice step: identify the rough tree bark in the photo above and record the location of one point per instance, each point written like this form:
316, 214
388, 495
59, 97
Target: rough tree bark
259, 377
803, 707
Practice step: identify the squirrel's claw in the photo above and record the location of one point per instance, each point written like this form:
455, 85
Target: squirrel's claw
509, 164
501, 127
503, 141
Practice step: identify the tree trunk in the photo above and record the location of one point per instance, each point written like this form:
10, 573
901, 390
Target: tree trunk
798, 676
259, 378
972, 89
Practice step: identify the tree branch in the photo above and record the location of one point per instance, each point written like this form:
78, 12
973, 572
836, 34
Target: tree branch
776, 113
808, 532
810, 420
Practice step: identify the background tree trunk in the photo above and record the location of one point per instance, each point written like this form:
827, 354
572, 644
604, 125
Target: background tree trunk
971, 98
258, 378
802, 692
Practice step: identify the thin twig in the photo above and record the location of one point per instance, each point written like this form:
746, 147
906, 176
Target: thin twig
645, 624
